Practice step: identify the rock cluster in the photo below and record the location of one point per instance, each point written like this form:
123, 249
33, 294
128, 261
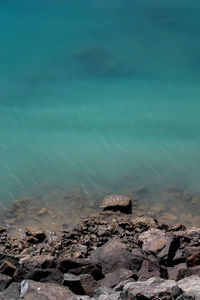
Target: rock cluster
111, 255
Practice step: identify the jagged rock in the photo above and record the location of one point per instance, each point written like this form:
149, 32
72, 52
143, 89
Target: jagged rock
143, 223
105, 293
8, 268
186, 272
4, 281
114, 278
160, 243
88, 284
36, 274
11, 293
41, 262
81, 266
173, 272
153, 288
108, 256
117, 202
36, 233
31, 290
194, 259
191, 286
149, 269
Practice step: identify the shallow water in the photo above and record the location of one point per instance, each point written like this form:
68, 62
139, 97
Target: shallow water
99, 94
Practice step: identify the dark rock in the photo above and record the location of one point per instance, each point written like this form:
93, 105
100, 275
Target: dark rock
8, 268
114, 278
36, 233
194, 259
73, 282
12, 292
81, 285
108, 256
31, 290
81, 266
4, 281
117, 202
179, 257
42, 275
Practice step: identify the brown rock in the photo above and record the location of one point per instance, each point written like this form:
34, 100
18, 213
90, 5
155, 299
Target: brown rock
114, 255
194, 259
186, 272
42, 262
114, 278
36, 233
117, 202
149, 269
42, 211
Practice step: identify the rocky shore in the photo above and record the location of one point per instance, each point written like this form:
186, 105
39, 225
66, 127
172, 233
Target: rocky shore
113, 254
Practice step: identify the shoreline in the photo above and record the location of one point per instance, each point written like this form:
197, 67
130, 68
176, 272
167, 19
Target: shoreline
60, 205
112, 254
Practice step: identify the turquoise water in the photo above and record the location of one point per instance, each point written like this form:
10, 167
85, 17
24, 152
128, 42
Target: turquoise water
102, 94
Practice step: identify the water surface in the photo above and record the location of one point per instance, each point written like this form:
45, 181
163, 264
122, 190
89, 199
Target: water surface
99, 94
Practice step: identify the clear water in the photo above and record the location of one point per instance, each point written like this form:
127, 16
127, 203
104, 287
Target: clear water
102, 94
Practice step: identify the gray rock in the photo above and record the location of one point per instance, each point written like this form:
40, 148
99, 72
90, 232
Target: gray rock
191, 286
114, 278
117, 202
11, 293
4, 281
31, 290
152, 288
105, 293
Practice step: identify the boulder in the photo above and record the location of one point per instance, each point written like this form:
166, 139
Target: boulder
11, 293
117, 202
114, 255
191, 286
158, 242
153, 288
31, 290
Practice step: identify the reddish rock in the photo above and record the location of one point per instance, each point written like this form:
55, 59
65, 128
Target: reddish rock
114, 255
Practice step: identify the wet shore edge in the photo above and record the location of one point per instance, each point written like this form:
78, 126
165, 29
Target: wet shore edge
112, 254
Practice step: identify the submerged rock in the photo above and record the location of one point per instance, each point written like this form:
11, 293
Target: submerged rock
117, 202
